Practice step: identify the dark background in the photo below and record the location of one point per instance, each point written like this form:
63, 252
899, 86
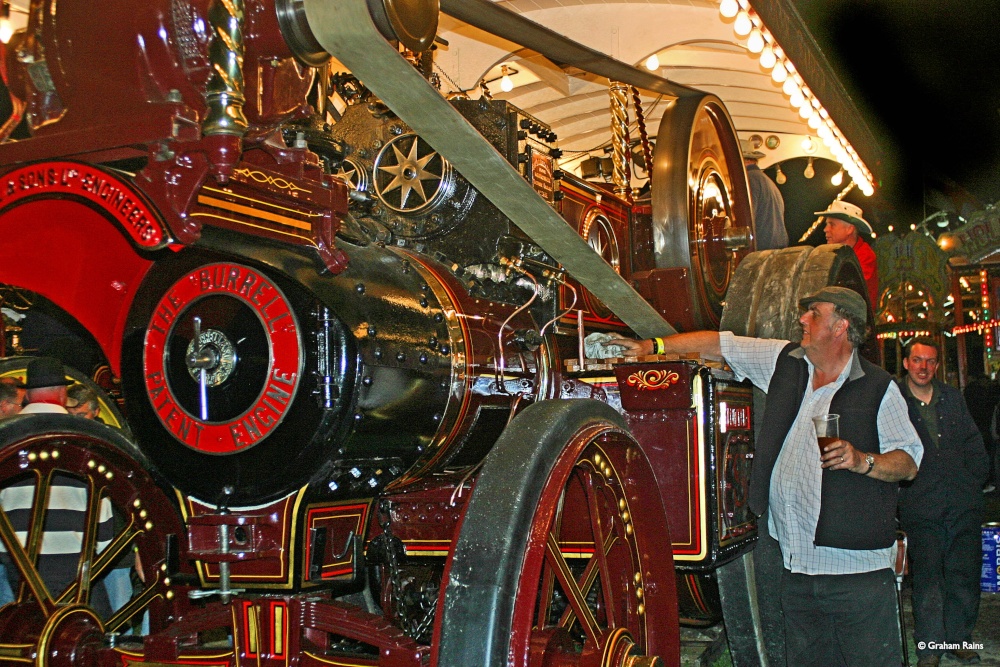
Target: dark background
924, 74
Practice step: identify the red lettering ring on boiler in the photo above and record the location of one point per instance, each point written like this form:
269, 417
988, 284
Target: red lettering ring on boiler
277, 394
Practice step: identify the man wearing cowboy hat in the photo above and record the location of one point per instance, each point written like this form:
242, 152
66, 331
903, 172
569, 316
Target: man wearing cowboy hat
844, 224
768, 206
46, 385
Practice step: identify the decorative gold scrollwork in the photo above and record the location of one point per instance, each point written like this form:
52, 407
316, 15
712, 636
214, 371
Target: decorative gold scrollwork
652, 380
266, 179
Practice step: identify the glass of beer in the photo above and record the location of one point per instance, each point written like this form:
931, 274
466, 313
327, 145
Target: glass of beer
827, 429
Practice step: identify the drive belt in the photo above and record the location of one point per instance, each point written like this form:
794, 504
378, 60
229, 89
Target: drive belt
345, 29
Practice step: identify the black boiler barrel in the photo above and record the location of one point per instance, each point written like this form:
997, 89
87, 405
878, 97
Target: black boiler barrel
388, 370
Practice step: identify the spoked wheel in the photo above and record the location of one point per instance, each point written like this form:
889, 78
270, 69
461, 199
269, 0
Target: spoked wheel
66, 479
411, 177
564, 553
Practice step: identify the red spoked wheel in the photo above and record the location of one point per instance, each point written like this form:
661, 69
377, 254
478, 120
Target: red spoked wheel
61, 476
564, 556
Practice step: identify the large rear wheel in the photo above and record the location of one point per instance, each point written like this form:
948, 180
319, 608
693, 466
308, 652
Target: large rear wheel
564, 556
68, 478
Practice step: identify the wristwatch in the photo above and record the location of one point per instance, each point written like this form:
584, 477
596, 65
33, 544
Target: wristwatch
870, 458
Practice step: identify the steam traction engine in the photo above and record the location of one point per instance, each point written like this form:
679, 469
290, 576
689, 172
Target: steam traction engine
343, 352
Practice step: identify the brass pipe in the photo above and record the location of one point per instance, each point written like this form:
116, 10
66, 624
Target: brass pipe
225, 91
619, 139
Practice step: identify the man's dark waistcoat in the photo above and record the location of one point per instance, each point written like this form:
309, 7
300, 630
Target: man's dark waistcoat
856, 511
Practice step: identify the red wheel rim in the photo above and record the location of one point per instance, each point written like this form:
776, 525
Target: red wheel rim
581, 605
144, 517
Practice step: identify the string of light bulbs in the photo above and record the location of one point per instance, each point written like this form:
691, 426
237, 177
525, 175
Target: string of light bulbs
759, 41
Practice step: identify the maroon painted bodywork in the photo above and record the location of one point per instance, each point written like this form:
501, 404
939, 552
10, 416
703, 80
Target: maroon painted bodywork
122, 206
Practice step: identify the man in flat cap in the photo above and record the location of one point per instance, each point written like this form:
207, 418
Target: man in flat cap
765, 198
833, 512
844, 224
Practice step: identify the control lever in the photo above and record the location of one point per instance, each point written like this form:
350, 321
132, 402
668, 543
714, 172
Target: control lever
225, 592
202, 358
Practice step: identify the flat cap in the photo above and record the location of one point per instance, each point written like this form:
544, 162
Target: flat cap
846, 298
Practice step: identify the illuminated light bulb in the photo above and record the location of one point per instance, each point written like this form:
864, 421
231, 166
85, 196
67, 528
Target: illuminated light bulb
743, 24
838, 178
653, 63
790, 87
796, 100
805, 110
890, 228
814, 120
824, 113
6, 27
779, 73
808, 145
809, 172
824, 132
729, 8
913, 228
767, 58
780, 176
755, 41
506, 85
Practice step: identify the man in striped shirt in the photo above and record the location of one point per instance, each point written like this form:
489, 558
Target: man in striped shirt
59, 557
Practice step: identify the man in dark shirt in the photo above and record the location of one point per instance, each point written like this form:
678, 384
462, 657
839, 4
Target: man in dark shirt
942, 511
768, 206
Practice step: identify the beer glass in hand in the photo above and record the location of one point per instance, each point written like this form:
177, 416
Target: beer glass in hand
827, 430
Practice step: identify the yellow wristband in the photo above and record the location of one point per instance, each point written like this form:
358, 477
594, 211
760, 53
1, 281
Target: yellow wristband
659, 347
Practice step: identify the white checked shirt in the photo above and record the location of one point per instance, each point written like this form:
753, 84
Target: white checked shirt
797, 478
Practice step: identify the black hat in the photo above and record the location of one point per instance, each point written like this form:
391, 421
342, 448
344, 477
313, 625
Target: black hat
45, 372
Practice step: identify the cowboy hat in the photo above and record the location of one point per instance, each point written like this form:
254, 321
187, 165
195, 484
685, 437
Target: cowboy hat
842, 210
749, 150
